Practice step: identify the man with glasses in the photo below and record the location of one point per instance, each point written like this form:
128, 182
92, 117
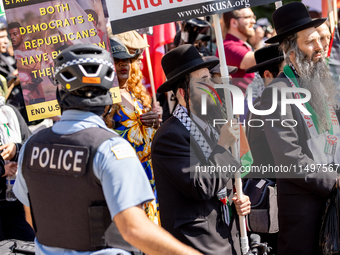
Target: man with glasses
238, 52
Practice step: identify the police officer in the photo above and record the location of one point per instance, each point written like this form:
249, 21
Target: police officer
78, 176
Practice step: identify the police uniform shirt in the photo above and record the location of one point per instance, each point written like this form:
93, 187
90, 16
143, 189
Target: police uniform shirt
125, 185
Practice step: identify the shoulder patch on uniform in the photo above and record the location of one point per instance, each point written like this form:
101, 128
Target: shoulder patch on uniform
123, 151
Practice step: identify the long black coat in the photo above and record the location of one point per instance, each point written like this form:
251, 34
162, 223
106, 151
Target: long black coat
301, 195
189, 208
258, 143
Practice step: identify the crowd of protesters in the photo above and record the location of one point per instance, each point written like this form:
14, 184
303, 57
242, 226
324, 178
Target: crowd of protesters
165, 148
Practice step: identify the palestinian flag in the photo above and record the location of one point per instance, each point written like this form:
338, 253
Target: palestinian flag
246, 158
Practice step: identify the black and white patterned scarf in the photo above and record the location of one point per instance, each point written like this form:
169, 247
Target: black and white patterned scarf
182, 115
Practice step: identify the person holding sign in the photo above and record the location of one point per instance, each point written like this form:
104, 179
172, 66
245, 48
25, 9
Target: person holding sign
303, 138
85, 183
197, 205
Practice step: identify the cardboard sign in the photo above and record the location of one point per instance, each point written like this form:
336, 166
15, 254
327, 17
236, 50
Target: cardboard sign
126, 15
39, 30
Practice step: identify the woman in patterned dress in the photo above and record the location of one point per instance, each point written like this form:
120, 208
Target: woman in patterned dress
133, 118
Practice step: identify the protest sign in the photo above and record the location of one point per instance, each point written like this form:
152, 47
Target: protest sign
126, 15
39, 30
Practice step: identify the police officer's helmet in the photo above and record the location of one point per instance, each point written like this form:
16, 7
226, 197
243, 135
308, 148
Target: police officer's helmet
84, 65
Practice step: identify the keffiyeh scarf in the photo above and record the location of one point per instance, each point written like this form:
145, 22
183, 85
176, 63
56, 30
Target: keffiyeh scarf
182, 115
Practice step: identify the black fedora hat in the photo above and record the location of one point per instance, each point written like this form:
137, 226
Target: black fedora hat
216, 69
203, 37
292, 18
119, 50
179, 62
267, 56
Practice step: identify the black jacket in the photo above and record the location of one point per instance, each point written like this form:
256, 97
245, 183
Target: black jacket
302, 195
189, 208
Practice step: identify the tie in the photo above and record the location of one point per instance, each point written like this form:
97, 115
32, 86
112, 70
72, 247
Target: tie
212, 135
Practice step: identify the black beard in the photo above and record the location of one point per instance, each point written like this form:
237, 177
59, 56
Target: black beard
213, 111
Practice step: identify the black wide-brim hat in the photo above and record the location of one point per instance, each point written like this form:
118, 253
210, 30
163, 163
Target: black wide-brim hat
216, 69
292, 18
266, 57
179, 62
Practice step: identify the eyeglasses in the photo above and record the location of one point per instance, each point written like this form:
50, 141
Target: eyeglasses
247, 17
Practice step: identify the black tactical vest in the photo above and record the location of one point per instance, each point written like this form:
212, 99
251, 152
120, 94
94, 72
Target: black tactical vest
67, 201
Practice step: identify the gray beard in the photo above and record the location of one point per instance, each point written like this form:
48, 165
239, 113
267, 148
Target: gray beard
312, 75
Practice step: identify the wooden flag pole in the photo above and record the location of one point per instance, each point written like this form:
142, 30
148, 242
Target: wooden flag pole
227, 95
278, 4
331, 15
335, 12
148, 61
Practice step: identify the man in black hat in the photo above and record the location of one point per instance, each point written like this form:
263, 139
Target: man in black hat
190, 30
215, 72
201, 44
269, 64
297, 140
187, 153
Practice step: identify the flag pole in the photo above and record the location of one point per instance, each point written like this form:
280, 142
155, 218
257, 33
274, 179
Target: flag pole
331, 15
148, 61
335, 11
278, 4
227, 95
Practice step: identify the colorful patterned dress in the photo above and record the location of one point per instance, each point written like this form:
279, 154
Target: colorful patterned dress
129, 126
